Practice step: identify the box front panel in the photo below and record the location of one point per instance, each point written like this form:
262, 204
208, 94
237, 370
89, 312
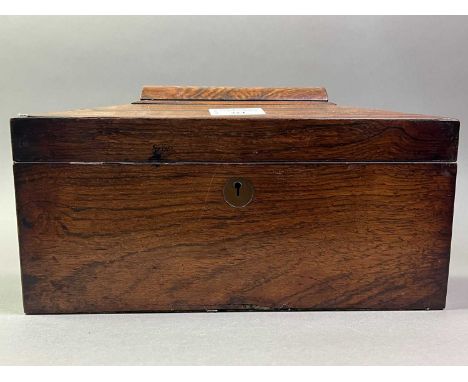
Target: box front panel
147, 237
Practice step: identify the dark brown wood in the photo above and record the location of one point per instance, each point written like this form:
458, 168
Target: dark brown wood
148, 237
274, 110
123, 208
232, 93
142, 139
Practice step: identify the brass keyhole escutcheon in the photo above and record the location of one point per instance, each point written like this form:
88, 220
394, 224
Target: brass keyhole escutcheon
238, 192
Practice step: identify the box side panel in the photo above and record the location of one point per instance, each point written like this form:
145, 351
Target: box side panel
211, 140
119, 238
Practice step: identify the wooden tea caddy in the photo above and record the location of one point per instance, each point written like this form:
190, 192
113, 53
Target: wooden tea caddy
207, 199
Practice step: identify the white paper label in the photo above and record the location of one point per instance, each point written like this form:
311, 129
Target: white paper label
238, 111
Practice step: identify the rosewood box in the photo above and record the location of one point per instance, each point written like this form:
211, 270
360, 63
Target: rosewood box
208, 199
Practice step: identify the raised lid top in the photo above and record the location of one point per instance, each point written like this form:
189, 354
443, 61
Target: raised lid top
176, 124
310, 110
195, 102
232, 94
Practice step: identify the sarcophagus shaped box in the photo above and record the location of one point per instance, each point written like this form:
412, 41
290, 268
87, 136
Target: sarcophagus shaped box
201, 199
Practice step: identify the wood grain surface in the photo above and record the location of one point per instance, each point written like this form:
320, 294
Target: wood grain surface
238, 140
121, 208
289, 110
149, 237
232, 93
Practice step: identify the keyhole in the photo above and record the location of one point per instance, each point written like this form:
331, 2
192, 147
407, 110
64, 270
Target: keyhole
238, 186
238, 192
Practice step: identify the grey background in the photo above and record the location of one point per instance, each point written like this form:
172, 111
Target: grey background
413, 64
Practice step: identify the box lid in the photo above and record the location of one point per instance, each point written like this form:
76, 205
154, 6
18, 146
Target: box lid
220, 124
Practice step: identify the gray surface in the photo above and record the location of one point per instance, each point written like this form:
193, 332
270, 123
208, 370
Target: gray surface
400, 63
